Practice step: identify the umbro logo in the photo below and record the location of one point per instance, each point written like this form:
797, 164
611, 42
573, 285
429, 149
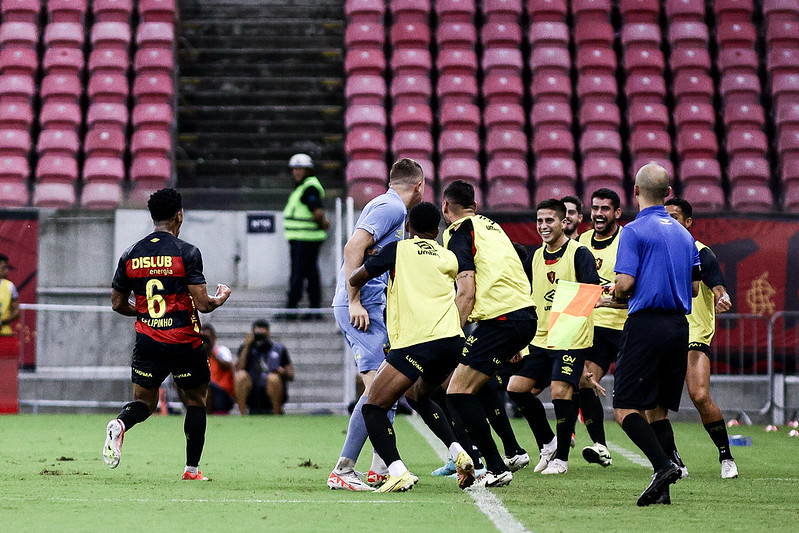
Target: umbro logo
550, 296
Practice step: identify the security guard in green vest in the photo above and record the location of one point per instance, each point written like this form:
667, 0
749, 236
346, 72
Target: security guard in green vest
306, 228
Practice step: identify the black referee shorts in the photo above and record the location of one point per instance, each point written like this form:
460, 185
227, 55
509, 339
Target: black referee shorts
605, 347
653, 358
495, 341
153, 361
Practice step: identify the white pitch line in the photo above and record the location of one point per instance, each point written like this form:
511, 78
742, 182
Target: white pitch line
630, 456
202, 500
489, 505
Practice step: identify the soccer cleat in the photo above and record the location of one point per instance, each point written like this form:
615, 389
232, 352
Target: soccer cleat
660, 481
346, 481
112, 450
465, 470
196, 477
547, 453
556, 466
729, 470
446, 470
491, 479
398, 483
375, 479
517, 462
664, 498
597, 453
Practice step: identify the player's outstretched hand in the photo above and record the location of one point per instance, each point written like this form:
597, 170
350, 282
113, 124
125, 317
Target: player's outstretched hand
724, 304
359, 317
594, 383
222, 292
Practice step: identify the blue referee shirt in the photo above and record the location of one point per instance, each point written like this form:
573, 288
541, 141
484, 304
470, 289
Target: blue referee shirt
661, 255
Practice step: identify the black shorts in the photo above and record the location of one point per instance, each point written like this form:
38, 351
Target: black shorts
545, 366
653, 358
495, 341
699, 347
605, 348
499, 382
433, 361
153, 361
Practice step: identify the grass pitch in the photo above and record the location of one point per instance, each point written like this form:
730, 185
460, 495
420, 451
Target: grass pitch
269, 474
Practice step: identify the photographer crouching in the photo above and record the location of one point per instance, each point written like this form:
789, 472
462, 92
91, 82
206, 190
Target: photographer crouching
262, 372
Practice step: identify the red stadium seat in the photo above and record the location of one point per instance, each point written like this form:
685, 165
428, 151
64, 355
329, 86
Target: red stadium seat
646, 62
685, 10
457, 62
157, 11
155, 35
60, 116
16, 116
19, 35
112, 10
57, 168
112, 88
736, 35
151, 169
116, 115
363, 191
456, 89
749, 144
153, 61
790, 203
370, 11
553, 144
410, 11
455, 10
110, 61
151, 143
645, 11
16, 89
13, 192
599, 117
410, 35
153, 89
66, 10
413, 144
411, 117
780, 10
553, 189
508, 195
459, 169
501, 35
114, 35
734, 61
591, 10
456, 35
597, 89
649, 117
788, 144
645, 89
503, 89
697, 144
751, 198
360, 62
63, 34
599, 172
600, 144
733, 10
695, 116
61, 88
104, 141
787, 117
365, 144
596, 61
650, 144
507, 170
547, 10
783, 61
101, 195
504, 116
556, 170
62, 143
56, 195
459, 145
551, 116
706, 197
593, 34
502, 10
693, 88
14, 168
369, 116
103, 169
790, 171
745, 117
509, 144
14, 143
367, 170
749, 171
20, 11
464, 117
696, 171
690, 60
365, 90
153, 116
740, 89
548, 61
549, 34
63, 61
411, 89
502, 62
411, 62
688, 35
19, 61
364, 35
641, 35
783, 34
784, 88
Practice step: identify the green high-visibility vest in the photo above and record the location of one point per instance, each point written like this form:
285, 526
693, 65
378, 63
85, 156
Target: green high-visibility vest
298, 219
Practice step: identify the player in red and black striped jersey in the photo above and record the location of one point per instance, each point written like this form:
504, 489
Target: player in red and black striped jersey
165, 275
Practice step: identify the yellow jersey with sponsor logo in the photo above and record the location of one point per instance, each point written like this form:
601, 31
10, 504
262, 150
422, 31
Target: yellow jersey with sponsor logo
420, 303
604, 251
702, 319
8, 294
501, 286
546, 274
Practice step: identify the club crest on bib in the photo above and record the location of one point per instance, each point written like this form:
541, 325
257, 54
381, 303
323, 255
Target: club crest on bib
598, 263
551, 276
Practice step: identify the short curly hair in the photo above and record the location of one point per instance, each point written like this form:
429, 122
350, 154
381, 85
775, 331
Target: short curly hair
164, 204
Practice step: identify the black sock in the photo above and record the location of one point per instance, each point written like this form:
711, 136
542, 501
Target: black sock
468, 409
498, 418
194, 428
533, 411
593, 416
718, 433
643, 436
133, 413
380, 432
440, 397
434, 417
665, 435
565, 416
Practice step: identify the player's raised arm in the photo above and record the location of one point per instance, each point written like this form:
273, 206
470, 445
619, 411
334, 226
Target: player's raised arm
206, 303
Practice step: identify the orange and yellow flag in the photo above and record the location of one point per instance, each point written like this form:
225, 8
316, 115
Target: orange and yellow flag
571, 307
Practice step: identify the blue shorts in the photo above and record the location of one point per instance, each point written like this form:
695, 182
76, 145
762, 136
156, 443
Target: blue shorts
369, 347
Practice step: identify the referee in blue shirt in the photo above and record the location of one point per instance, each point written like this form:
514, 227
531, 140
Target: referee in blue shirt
657, 273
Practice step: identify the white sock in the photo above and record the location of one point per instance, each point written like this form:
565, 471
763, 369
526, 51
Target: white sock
397, 468
344, 464
192, 469
378, 465
454, 449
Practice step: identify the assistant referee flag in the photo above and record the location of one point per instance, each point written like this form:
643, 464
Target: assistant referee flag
571, 307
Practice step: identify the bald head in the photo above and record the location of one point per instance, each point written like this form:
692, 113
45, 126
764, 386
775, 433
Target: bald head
652, 182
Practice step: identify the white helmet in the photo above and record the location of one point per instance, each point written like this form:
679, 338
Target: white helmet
300, 161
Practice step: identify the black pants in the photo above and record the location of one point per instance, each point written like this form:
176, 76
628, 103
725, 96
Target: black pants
304, 266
